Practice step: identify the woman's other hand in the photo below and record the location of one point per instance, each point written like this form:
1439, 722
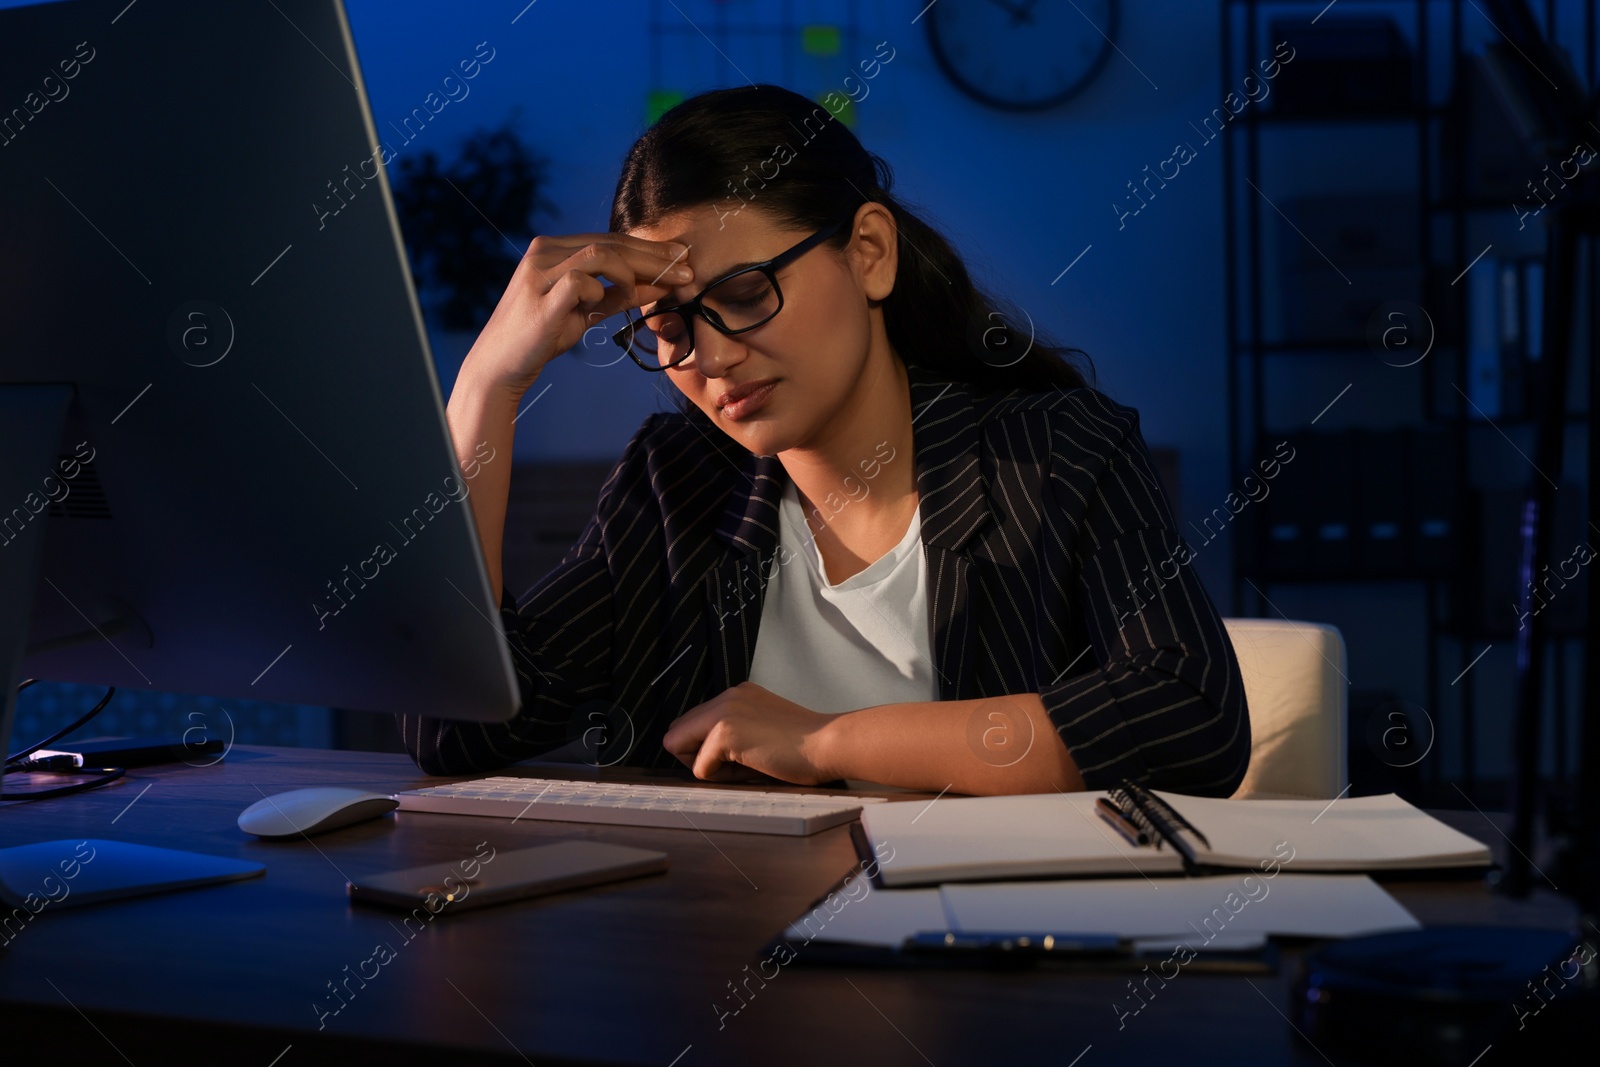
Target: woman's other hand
751, 727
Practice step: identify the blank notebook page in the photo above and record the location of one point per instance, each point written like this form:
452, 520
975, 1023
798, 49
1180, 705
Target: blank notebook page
1352, 833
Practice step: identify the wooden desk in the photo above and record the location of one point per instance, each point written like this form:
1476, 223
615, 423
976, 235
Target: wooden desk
627, 973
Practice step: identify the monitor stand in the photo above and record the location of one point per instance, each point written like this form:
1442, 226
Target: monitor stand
65, 872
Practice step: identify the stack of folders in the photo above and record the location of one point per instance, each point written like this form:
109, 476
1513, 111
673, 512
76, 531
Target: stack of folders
1119, 877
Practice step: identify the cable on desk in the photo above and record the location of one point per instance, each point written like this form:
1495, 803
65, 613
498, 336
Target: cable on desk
99, 776
18, 761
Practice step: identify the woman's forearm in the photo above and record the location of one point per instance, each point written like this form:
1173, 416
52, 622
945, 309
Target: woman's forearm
482, 413
982, 747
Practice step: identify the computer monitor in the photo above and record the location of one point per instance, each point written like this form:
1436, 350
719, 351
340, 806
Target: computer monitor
224, 462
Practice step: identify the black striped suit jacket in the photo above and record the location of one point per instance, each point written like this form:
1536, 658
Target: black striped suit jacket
1054, 567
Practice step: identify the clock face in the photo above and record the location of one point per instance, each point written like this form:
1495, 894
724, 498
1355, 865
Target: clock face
1021, 55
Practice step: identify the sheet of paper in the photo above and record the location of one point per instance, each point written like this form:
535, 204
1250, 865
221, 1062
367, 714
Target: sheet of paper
1146, 946
1200, 909
877, 917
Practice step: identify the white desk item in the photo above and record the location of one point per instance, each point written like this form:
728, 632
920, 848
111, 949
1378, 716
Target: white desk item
868, 916
315, 810
1194, 910
630, 804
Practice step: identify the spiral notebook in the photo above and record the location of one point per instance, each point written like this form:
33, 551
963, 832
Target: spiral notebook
1134, 830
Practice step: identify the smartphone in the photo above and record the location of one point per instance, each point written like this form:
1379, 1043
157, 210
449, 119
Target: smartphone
500, 877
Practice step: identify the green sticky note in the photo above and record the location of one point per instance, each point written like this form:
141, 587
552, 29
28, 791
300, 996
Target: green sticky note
820, 40
840, 107
659, 102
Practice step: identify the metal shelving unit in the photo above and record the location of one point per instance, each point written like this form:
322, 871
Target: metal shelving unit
1444, 207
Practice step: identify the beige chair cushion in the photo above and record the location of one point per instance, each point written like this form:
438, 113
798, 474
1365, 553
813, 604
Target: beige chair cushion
1296, 683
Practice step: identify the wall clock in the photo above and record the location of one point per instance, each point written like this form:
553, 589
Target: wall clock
1021, 55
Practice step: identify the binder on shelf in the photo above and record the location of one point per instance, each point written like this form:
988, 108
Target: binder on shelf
1345, 65
1533, 309
1435, 503
1492, 602
1372, 237
1484, 388
1487, 148
1505, 336
1513, 395
1361, 230
1330, 504
1322, 307
1383, 475
1364, 504
1284, 551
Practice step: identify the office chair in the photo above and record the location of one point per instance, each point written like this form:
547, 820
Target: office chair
1297, 686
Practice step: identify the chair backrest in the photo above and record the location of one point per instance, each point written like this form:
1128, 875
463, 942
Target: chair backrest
1296, 684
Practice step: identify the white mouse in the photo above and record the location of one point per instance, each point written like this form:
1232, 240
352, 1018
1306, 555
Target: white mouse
313, 811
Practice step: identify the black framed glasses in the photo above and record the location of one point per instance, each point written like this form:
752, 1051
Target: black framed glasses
738, 301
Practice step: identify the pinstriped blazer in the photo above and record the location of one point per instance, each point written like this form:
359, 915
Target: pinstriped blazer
1054, 567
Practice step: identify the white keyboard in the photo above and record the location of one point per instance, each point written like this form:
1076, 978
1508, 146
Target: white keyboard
679, 807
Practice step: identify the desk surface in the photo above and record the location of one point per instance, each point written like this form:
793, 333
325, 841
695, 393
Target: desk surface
636, 972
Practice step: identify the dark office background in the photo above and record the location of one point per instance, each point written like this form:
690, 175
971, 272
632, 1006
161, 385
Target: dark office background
1355, 184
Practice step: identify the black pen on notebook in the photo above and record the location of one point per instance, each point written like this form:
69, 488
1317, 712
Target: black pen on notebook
1120, 822
1010, 943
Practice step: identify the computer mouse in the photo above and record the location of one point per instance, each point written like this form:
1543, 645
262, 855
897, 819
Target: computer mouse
313, 811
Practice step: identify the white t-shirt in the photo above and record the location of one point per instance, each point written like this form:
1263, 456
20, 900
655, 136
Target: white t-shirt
855, 644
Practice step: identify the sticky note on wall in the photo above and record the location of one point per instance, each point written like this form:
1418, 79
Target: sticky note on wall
819, 40
659, 102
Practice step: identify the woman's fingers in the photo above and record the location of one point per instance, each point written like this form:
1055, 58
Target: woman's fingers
682, 747
711, 758
637, 278
574, 241
627, 261
578, 303
555, 298
699, 738
688, 732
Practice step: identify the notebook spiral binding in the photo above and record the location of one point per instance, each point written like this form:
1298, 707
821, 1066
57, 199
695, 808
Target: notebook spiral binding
1159, 819
1135, 813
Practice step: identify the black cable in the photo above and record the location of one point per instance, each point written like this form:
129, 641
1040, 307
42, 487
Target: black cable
98, 776
23, 754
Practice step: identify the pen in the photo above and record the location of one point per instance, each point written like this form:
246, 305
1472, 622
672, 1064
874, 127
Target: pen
1010, 942
1120, 822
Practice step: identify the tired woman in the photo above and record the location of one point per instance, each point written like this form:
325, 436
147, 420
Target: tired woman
887, 536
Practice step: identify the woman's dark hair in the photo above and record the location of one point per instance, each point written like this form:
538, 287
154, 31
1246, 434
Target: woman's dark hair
708, 148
